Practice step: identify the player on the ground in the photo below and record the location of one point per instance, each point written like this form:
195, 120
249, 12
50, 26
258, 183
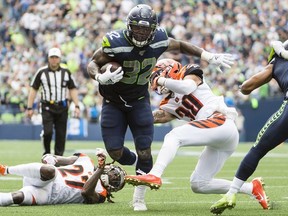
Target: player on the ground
273, 133
60, 180
125, 91
210, 123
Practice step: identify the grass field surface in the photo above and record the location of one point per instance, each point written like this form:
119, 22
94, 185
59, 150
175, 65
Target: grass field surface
174, 197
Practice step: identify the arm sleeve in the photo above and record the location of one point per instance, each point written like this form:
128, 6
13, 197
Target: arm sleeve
179, 86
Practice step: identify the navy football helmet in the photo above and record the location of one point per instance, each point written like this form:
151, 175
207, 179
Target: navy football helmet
142, 22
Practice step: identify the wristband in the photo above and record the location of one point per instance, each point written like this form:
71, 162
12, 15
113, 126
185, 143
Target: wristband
29, 108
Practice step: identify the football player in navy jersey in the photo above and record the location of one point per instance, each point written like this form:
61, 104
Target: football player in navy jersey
272, 134
125, 91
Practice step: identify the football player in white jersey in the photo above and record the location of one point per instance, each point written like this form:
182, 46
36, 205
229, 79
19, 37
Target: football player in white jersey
60, 180
210, 123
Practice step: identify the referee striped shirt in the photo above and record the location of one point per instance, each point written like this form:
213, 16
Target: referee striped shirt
54, 83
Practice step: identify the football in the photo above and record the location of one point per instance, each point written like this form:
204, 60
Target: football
115, 66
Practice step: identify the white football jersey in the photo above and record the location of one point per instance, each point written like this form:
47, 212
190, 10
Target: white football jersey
200, 104
70, 180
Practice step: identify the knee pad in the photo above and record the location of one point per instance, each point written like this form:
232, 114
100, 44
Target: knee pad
196, 183
145, 161
144, 154
123, 156
195, 187
115, 154
143, 142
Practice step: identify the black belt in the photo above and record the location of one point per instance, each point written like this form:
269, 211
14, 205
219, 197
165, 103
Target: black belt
56, 103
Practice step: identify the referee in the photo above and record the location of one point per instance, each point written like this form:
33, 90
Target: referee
54, 82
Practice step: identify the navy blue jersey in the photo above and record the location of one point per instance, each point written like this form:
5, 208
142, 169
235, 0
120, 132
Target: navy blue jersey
280, 74
137, 64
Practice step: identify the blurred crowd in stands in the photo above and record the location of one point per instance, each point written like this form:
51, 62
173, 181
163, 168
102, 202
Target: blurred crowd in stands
28, 28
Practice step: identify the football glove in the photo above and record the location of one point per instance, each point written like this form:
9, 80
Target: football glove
101, 155
49, 159
279, 49
224, 60
155, 77
109, 77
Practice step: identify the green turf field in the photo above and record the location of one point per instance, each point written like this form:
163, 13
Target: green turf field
174, 197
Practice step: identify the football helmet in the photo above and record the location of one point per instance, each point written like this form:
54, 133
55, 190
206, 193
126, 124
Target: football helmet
142, 22
113, 177
167, 68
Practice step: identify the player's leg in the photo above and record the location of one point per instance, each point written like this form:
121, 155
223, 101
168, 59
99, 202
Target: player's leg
6, 199
188, 135
220, 143
140, 121
113, 127
34, 195
271, 135
36, 176
60, 125
47, 118
34, 171
28, 195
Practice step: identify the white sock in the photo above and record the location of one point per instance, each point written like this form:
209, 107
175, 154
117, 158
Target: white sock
139, 192
31, 170
166, 155
6, 199
235, 186
246, 188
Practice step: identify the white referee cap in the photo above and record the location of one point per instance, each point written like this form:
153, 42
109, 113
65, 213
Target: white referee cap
54, 52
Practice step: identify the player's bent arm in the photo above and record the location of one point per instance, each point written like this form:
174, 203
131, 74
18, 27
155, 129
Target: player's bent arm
186, 86
63, 161
88, 192
99, 59
162, 116
184, 47
257, 80
58, 160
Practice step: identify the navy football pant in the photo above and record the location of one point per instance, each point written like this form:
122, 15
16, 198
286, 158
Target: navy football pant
273, 133
115, 120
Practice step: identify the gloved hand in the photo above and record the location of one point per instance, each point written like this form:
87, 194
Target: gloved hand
225, 60
109, 77
101, 155
154, 78
100, 152
49, 159
279, 49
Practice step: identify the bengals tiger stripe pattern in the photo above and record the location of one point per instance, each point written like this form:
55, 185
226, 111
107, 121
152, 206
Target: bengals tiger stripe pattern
216, 120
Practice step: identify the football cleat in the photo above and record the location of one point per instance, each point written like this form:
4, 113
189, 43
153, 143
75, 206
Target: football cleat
3, 169
227, 201
149, 180
259, 193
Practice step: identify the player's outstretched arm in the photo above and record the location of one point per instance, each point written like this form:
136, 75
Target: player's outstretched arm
88, 191
218, 59
257, 80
